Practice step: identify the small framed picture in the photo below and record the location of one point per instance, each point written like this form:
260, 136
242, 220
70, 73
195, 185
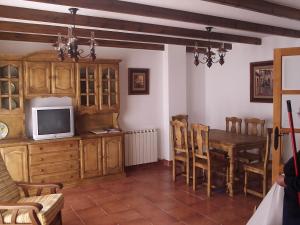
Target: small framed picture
138, 81
261, 81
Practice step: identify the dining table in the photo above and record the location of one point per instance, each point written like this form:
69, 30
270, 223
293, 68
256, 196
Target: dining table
232, 143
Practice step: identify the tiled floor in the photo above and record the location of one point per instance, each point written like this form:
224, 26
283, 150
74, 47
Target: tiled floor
147, 196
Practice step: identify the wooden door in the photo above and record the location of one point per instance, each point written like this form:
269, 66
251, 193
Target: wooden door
16, 161
109, 87
11, 91
91, 158
286, 87
63, 79
37, 79
87, 91
112, 155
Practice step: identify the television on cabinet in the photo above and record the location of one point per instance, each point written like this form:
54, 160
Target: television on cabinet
52, 122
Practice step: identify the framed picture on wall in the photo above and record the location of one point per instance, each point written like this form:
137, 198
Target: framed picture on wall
138, 81
261, 81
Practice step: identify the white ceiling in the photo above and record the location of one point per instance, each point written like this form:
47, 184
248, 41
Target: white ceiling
197, 6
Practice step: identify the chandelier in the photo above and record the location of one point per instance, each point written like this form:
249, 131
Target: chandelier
209, 55
67, 45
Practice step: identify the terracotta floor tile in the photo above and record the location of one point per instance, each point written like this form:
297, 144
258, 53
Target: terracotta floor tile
148, 196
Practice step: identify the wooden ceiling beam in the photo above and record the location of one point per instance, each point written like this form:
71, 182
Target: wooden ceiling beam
65, 18
262, 6
174, 14
54, 30
52, 39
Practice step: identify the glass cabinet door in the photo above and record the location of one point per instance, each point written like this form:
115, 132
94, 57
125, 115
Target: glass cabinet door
109, 87
87, 80
10, 82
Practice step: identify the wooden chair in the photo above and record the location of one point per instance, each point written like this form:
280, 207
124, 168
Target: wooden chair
234, 125
260, 168
29, 210
254, 127
180, 147
200, 151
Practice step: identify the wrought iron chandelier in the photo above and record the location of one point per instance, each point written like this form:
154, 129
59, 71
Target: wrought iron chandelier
67, 45
209, 55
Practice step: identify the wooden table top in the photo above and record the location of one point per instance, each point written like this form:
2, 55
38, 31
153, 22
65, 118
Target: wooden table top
227, 138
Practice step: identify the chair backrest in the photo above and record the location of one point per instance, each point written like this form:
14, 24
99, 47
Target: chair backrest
268, 148
8, 189
179, 136
234, 125
254, 126
200, 141
181, 118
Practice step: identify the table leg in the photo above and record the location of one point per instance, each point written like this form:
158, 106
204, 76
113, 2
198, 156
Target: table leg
230, 183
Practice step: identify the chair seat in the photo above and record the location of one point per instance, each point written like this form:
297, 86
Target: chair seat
255, 168
52, 204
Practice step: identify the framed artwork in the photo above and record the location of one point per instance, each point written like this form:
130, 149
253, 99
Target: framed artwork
261, 81
138, 81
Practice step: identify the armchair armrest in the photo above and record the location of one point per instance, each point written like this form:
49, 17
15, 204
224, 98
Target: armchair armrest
40, 187
31, 208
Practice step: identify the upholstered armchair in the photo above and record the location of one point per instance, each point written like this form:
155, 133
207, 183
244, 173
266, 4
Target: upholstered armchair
31, 210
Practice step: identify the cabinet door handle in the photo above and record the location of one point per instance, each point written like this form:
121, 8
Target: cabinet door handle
41, 159
41, 148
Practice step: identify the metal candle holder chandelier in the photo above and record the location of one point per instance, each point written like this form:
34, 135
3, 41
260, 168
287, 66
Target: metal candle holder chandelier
67, 45
209, 56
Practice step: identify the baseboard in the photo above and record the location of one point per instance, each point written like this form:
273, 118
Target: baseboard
166, 162
145, 165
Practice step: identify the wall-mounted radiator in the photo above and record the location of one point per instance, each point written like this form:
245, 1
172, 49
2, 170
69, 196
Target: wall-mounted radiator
141, 147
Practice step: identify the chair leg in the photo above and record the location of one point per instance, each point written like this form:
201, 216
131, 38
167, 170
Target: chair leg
187, 171
264, 184
194, 176
174, 170
246, 182
208, 182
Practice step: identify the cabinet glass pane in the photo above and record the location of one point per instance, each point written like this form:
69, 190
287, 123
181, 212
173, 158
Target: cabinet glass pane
105, 74
83, 86
104, 87
14, 72
91, 71
112, 86
113, 100
15, 103
91, 100
14, 88
82, 73
5, 103
104, 99
83, 100
112, 73
4, 72
91, 87
4, 85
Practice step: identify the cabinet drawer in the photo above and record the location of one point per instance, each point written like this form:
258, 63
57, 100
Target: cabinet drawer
57, 177
53, 157
53, 147
54, 168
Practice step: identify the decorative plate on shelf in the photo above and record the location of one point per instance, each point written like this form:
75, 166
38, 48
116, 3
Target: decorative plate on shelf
3, 130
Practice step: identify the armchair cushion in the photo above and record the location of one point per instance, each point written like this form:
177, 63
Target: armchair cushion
9, 191
52, 204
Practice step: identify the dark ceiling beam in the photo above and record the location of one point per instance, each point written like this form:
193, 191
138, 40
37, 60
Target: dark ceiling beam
174, 14
262, 7
52, 39
65, 18
54, 30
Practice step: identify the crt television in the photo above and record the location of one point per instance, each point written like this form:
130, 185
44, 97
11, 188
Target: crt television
52, 122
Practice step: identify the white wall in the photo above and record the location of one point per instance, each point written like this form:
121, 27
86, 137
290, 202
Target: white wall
221, 91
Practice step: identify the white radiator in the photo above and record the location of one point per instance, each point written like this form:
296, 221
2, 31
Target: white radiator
141, 147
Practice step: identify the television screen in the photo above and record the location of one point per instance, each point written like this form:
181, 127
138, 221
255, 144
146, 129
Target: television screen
52, 121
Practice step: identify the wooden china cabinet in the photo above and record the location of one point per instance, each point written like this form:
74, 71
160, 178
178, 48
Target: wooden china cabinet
94, 89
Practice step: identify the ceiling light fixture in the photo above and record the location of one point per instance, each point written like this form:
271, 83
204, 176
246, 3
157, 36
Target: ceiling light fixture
209, 56
67, 45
